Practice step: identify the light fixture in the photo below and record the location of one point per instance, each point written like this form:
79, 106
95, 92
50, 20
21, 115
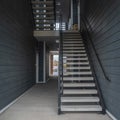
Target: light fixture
58, 3
57, 41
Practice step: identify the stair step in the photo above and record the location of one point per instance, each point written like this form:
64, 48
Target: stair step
78, 73
43, 8
72, 42
72, 34
77, 68
79, 91
44, 18
44, 23
47, 27
77, 63
80, 99
72, 39
76, 58
73, 48
42, 2
73, 51
47, 22
71, 31
43, 13
73, 45
78, 78
75, 55
81, 108
71, 84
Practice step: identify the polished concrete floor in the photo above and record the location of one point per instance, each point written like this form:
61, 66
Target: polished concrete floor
40, 103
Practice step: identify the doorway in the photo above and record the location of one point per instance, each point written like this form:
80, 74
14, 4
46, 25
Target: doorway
53, 63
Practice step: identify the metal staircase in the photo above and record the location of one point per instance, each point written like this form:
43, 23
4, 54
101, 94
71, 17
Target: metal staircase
44, 14
77, 87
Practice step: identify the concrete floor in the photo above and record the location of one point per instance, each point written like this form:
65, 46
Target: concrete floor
40, 103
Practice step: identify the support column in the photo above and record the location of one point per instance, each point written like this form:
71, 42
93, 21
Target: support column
78, 14
71, 13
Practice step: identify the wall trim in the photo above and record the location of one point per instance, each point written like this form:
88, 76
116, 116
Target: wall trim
13, 102
111, 115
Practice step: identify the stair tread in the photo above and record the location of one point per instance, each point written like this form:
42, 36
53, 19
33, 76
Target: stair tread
73, 51
77, 55
72, 39
44, 18
78, 84
78, 73
73, 48
80, 99
43, 8
81, 108
72, 42
78, 78
80, 68
69, 45
76, 58
42, 2
79, 91
43, 13
77, 63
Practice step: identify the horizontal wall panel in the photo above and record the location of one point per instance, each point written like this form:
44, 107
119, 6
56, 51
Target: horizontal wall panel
17, 50
102, 21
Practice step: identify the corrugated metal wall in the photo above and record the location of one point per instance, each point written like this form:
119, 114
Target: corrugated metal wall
103, 23
17, 54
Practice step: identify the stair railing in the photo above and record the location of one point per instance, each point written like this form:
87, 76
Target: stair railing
93, 46
93, 68
60, 76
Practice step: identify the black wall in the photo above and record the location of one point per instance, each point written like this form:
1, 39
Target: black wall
75, 12
40, 49
102, 18
17, 54
47, 62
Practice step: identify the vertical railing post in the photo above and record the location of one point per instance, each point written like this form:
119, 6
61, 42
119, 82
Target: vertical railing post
60, 77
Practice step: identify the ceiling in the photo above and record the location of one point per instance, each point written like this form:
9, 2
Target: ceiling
50, 41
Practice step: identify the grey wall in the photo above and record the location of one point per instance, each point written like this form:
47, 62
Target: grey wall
103, 24
17, 54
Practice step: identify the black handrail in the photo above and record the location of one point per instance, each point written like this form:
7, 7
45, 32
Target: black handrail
60, 77
94, 75
96, 80
100, 63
